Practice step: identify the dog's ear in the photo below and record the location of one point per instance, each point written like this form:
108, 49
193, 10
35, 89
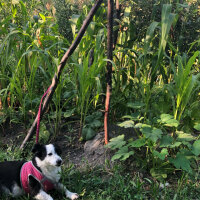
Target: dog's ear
57, 149
37, 148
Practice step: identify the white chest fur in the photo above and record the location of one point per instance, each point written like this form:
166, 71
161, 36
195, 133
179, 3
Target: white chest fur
50, 171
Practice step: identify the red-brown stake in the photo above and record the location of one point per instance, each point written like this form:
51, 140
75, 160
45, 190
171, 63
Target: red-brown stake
109, 66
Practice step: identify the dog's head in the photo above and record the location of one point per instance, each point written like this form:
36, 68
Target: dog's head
47, 155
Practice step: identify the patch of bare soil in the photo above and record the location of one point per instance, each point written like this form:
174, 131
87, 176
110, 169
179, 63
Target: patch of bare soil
91, 153
79, 153
11, 135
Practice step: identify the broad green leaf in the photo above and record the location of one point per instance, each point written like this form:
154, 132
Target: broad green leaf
196, 148
165, 117
95, 123
134, 116
156, 134
138, 143
127, 124
122, 154
181, 162
175, 144
181, 136
138, 125
168, 120
117, 142
197, 127
88, 133
162, 154
166, 141
69, 113
136, 105
146, 129
172, 123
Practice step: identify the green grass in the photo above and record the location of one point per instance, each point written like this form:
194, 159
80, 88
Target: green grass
118, 184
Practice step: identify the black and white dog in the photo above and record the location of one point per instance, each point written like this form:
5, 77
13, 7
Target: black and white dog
34, 177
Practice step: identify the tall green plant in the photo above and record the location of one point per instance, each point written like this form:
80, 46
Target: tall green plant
88, 83
185, 82
27, 58
167, 19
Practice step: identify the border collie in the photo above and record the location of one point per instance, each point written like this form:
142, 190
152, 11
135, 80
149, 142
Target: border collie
34, 177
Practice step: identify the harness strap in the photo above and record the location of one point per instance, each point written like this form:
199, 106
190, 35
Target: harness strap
39, 112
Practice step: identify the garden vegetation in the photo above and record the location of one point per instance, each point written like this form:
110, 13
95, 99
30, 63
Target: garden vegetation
155, 89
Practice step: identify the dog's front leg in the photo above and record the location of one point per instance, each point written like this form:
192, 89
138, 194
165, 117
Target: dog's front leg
69, 194
42, 195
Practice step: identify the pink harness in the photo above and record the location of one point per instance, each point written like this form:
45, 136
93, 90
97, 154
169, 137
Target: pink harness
28, 169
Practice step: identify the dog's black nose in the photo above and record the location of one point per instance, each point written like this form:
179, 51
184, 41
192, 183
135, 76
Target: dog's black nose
58, 162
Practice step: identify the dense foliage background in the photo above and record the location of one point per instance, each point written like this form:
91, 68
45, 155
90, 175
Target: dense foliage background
156, 79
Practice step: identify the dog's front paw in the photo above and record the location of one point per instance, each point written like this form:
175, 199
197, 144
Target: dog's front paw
73, 196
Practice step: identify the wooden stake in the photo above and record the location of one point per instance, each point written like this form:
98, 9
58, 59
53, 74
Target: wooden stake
109, 66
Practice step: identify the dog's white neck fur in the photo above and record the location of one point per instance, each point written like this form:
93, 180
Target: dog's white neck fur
51, 172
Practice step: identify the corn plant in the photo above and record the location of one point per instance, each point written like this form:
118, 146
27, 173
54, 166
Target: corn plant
27, 59
88, 62
185, 83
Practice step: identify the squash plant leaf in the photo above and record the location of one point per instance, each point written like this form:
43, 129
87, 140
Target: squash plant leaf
117, 142
181, 162
122, 154
127, 124
156, 134
197, 127
166, 141
136, 105
69, 113
88, 133
181, 136
168, 120
153, 134
146, 129
196, 148
162, 154
138, 143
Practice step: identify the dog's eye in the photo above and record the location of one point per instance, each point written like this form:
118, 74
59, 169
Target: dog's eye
50, 154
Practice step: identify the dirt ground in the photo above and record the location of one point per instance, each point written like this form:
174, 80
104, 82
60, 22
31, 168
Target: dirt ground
79, 153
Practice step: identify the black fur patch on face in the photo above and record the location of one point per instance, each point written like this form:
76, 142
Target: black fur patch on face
57, 149
40, 151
